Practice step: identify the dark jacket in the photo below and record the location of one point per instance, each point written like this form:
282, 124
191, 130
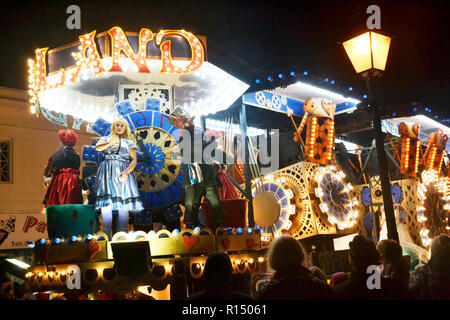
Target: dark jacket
299, 286
208, 171
355, 288
64, 157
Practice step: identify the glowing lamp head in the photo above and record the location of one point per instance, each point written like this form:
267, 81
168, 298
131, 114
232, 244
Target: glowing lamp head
368, 52
249, 230
239, 230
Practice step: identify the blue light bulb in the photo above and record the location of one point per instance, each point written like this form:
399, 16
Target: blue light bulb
42, 241
280, 75
74, 238
257, 81
176, 231
326, 80
292, 73
249, 230
89, 237
269, 78
57, 240
239, 230
332, 81
197, 229
365, 96
305, 73
350, 88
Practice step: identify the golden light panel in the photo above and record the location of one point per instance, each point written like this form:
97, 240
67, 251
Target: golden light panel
368, 51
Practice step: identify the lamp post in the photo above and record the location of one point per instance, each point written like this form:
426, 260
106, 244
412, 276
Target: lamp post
368, 54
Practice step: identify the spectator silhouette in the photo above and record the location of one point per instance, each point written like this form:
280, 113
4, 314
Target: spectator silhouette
291, 281
393, 265
431, 281
363, 254
338, 277
6, 289
217, 278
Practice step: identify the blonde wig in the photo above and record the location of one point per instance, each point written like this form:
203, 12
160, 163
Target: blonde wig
126, 134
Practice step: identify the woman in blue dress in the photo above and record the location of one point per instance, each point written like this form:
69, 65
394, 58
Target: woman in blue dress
117, 188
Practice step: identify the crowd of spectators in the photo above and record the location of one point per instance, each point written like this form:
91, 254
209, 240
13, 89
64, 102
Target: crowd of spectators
378, 272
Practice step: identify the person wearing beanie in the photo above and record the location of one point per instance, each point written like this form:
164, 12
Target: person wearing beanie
61, 175
336, 278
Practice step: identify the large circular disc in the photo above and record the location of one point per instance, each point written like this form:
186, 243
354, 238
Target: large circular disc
266, 209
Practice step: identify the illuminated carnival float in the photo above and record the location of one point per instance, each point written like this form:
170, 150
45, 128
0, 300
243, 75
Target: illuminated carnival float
318, 187
141, 77
332, 185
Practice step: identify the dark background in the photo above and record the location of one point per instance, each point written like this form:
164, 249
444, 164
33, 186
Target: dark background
250, 37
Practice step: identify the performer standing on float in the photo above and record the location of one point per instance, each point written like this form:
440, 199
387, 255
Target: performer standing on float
61, 175
200, 179
117, 188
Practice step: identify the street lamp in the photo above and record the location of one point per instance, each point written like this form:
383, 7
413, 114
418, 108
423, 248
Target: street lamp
368, 54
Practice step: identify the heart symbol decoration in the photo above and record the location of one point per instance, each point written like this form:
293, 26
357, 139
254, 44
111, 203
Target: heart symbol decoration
226, 243
250, 242
94, 248
143, 134
189, 242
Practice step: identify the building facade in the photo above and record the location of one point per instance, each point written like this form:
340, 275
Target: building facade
26, 142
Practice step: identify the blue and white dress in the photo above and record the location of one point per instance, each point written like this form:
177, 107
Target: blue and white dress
111, 192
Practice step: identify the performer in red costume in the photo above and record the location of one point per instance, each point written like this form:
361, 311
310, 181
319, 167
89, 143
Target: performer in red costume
61, 175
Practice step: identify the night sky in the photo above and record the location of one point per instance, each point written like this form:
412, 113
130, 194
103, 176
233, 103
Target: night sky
257, 36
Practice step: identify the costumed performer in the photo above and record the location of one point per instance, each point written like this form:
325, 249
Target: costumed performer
200, 179
117, 188
61, 175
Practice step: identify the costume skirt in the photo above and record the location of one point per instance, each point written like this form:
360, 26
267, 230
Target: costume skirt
64, 188
227, 191
116, 194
